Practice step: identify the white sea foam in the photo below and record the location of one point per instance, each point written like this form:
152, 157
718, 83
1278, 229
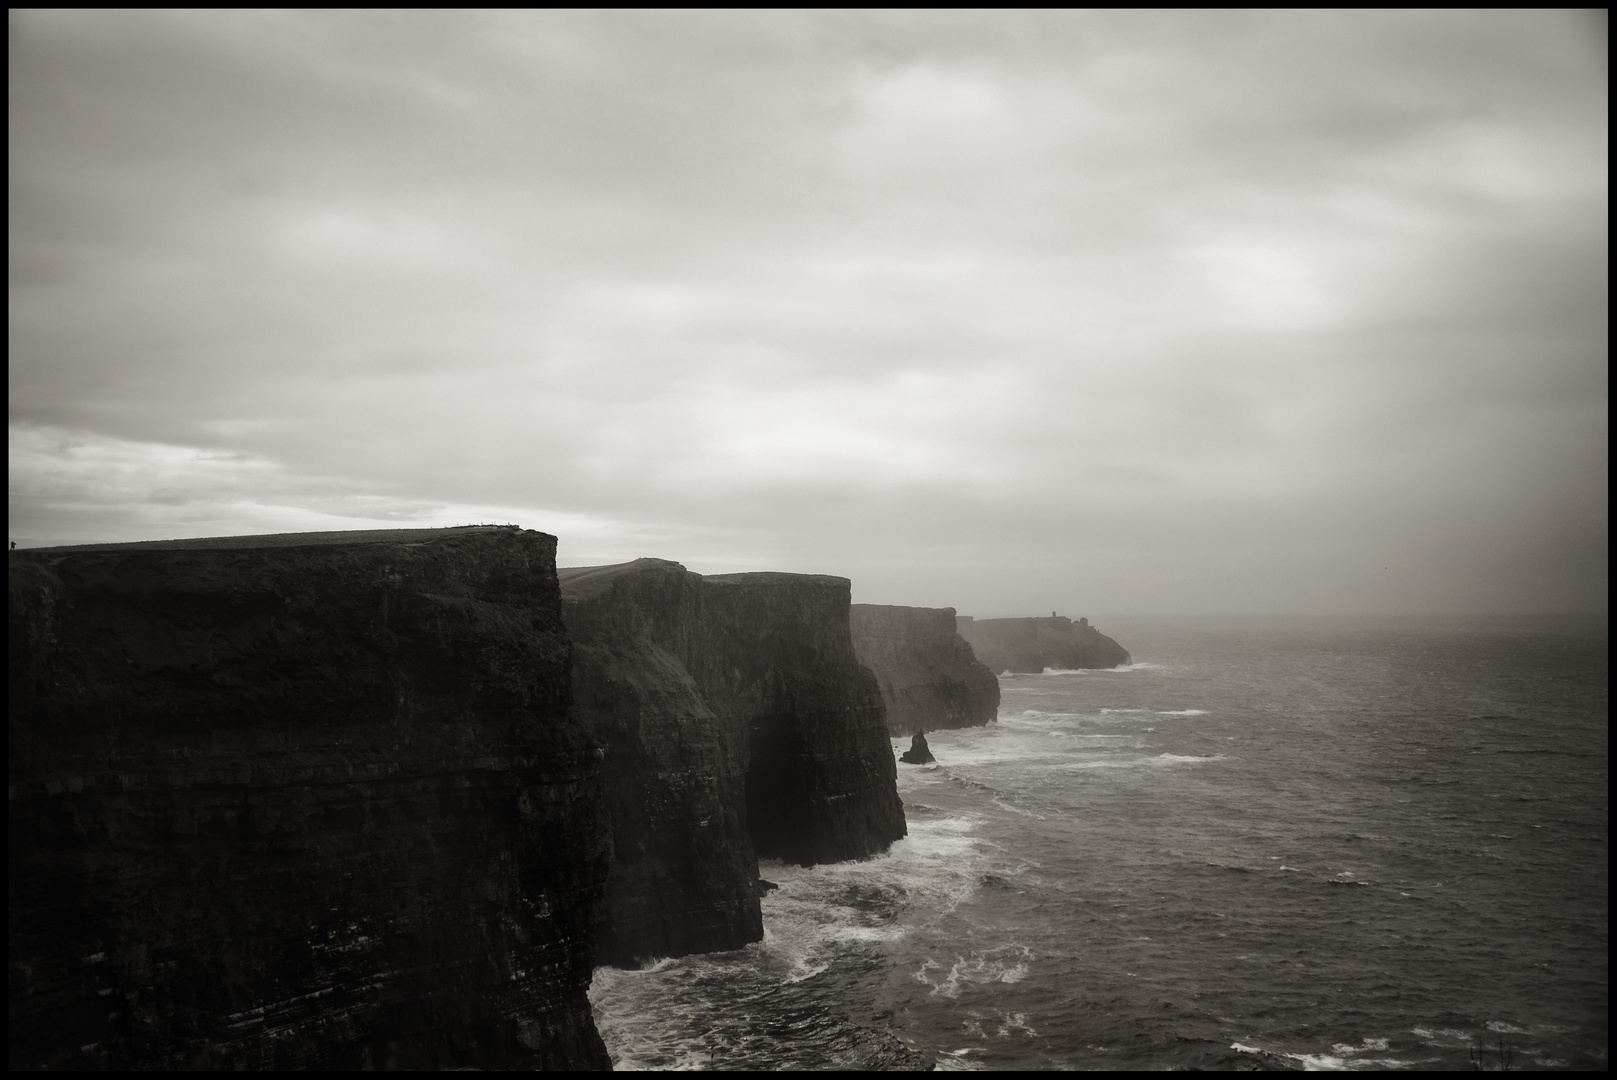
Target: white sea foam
646, 1027
1331, 1063
1089, 736
866, 933
796, 948
1006, 964
1182, 712
1003, 805
1456, 1037
1028, 717
1342, 1058
959, 1061
634, 1031
803, 969
1121, 669
1018, 742
1159, 761
810, 920
1013, 1022
656, 964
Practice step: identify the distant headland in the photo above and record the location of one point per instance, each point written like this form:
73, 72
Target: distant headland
1034, 644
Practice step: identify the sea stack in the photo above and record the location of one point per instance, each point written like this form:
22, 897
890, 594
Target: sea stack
310, 801
918, 753
928, 674
1031, 645
737, 723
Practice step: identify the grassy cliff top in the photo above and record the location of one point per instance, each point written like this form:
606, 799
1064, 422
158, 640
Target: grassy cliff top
584, 582
276, 540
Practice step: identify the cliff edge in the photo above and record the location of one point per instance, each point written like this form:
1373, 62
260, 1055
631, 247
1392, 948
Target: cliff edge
1031, 645
737, 723
929, 676
285, 803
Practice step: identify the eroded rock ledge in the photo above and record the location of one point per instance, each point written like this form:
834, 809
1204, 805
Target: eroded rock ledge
928, 674
1031, 645
738, 723
300, 802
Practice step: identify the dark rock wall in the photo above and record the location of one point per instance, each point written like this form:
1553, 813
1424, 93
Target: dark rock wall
300, 807
928, 674
738, 723
919, 752
822, 782
684, 876
1031, 645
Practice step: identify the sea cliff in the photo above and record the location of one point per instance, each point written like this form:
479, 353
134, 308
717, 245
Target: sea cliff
738, 723
1031, 645
929, 676
309, 801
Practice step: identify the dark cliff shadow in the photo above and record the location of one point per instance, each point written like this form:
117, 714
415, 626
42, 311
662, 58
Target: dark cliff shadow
279, 804
738, 723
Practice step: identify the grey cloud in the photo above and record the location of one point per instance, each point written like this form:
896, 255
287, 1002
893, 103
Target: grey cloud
1226, 304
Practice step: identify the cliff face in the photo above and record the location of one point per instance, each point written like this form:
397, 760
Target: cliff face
684, 877
738, 723
318, 803
1031, 645
928, 674
821, 780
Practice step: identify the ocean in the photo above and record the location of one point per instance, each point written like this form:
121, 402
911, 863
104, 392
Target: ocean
1267, 844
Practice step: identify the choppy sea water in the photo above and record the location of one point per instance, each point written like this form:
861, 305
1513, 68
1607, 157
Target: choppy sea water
1267, 844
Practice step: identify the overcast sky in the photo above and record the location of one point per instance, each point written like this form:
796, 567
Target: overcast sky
1099, 312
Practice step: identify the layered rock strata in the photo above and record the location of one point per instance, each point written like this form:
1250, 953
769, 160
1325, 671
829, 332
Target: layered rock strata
1031, 645
928, 674
738, 723
300, 802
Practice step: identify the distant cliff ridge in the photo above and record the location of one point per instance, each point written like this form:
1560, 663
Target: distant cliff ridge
1031, 645
283, 802
738, 723
929, 676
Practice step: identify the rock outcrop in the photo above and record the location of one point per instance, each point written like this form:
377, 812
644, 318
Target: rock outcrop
928, 674
919, 752
300, 802
1031, 645
737, 723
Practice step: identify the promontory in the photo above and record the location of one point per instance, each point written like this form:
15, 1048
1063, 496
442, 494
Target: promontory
1032, 645
382, 800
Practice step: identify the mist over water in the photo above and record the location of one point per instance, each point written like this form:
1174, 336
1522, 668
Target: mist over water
1288, 843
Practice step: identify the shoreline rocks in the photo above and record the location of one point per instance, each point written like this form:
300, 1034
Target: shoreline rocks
918, 753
